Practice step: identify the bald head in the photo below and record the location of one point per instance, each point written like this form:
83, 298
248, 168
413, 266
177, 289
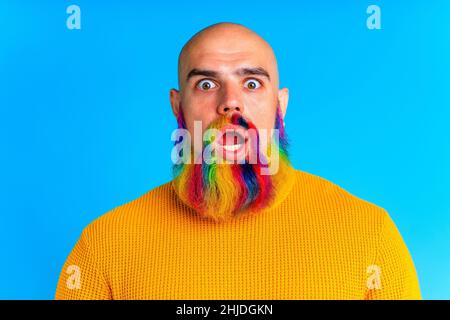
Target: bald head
224, 42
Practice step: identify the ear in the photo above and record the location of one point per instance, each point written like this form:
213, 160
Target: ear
283, 98
175, 101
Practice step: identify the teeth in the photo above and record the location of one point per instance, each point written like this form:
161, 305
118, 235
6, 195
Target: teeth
233, 147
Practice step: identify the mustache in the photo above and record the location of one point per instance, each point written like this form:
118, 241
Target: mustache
242, 121
236, 123
236, 119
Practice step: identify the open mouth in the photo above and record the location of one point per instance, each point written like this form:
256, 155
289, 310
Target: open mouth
232, 140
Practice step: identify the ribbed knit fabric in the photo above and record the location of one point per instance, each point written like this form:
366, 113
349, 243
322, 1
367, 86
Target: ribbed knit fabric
319, 242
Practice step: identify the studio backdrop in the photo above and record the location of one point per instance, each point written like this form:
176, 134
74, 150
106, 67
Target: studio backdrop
86, 118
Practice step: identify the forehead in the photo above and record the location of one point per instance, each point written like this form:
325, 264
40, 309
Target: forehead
224, 58
227, 55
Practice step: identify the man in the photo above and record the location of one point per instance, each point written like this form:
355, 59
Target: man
238, 221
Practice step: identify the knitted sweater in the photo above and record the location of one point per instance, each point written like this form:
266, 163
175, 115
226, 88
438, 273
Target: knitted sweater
318, 242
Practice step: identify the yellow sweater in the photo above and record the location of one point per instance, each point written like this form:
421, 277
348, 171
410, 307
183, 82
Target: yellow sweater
318, 242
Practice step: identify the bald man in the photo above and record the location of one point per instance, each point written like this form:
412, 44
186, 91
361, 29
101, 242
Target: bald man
238, 221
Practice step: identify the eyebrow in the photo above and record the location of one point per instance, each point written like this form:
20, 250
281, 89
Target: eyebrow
240, 72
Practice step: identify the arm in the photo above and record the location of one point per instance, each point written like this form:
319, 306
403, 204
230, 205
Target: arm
81, 278
393, 275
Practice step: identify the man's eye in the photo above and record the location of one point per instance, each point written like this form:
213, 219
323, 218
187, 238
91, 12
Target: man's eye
206, 85
252, 84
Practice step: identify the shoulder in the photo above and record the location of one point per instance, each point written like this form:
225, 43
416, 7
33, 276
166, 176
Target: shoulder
318, 187
333, 199
130, 215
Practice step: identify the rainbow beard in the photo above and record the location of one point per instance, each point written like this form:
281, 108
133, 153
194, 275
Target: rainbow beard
224, 190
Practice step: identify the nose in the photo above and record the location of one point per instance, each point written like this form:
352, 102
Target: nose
231, 101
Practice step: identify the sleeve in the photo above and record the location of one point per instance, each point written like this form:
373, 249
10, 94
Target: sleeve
81, 278
393, 275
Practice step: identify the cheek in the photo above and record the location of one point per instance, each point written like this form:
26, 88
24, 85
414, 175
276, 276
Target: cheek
262, 115
199, 112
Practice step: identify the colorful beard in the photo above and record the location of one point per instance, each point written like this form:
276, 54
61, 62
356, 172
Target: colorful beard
223, 190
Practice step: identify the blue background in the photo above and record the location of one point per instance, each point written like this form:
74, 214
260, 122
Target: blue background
86, 120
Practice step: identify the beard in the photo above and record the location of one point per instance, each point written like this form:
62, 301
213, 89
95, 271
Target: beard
220, 190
